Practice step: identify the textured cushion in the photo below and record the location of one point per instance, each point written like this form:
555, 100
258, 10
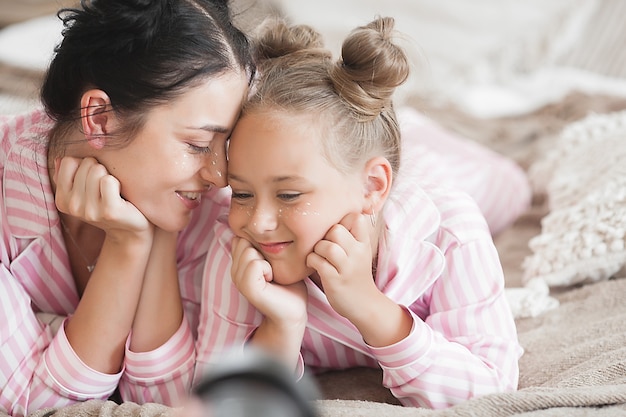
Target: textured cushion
584, 180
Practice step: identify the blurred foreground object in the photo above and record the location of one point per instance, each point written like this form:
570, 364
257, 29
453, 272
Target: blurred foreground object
255, 384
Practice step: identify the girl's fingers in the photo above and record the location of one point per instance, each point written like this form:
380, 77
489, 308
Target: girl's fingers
356, 224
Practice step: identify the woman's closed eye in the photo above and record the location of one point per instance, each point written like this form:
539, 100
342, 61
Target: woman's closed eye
199, 149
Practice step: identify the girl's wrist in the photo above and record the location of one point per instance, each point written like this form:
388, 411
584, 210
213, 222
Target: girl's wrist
384, 325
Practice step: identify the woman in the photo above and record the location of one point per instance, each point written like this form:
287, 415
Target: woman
107, 194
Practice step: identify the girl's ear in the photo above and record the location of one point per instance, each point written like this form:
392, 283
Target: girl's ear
95, 116
378, 180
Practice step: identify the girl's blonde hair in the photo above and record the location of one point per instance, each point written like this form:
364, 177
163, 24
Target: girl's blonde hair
349, 99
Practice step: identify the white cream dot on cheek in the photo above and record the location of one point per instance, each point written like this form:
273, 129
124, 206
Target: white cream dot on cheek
182, 163
214, 161
245, 209
297, 211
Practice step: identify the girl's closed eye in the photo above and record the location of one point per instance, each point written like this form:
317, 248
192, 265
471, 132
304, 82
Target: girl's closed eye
240, 196
289, 196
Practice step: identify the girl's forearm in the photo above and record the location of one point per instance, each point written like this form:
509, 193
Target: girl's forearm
282, 341
385, 324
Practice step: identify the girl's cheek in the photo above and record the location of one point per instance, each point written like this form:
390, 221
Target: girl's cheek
239, 215
303, 210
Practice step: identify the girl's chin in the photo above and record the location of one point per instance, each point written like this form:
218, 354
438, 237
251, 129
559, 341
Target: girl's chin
291, 277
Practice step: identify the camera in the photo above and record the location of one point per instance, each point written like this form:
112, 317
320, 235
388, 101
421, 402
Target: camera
252, 383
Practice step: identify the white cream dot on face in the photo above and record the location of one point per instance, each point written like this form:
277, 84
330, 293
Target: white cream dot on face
306, 211
297, 211
182, 162
245, 209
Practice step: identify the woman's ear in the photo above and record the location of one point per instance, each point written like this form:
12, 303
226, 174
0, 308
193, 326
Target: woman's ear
378, 180
95, 116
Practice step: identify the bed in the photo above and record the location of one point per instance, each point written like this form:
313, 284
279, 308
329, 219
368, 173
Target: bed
563, 258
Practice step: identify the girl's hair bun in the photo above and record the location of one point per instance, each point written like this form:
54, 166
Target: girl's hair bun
371, 67
276, 38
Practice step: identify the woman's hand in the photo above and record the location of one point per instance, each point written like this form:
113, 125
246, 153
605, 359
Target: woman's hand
84, 189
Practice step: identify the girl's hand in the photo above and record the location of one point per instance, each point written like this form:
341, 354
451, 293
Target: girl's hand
84, 189
252, 275
343, 260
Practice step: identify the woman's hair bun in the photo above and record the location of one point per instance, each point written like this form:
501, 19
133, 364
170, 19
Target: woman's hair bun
135, 23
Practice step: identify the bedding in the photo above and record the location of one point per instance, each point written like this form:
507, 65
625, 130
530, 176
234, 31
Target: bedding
584, 179
575, 347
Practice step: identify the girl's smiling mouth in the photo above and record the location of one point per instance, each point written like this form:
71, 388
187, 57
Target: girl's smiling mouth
273, 247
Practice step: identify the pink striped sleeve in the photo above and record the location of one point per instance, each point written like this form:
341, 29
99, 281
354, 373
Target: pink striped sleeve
39, 369
75, 379
227, 319
163, 375
466, 345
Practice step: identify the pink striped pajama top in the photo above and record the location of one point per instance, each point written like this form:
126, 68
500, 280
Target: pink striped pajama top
438, 260
38, 367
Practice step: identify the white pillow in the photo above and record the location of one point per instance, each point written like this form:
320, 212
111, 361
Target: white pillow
584, 180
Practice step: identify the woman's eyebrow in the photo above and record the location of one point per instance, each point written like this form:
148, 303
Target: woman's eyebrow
210, 128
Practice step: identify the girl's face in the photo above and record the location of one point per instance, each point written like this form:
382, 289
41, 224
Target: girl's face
180, 153
286, 195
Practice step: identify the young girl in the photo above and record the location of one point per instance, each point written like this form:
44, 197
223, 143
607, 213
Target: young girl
106, 197
343, 255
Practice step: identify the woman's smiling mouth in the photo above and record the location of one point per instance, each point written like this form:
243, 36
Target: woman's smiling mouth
189, 198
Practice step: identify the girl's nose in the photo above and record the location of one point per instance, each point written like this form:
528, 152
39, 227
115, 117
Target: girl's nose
214, 169
263, 220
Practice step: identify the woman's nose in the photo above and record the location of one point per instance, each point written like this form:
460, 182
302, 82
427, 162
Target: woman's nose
214, 169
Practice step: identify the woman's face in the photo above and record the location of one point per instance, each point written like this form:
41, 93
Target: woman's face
180, 153
286, 194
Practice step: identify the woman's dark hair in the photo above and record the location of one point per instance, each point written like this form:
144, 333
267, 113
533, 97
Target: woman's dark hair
142, 53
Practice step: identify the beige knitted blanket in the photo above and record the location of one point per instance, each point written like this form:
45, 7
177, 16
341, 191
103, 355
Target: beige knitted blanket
574, 365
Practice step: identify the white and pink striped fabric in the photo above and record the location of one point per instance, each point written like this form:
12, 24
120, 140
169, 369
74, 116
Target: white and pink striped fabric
498, 185
38, 367
438, 260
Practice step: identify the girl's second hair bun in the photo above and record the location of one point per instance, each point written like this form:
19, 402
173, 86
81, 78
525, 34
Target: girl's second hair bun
277, 38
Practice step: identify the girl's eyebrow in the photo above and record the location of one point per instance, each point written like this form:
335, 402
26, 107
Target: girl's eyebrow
274, 180
234, 177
